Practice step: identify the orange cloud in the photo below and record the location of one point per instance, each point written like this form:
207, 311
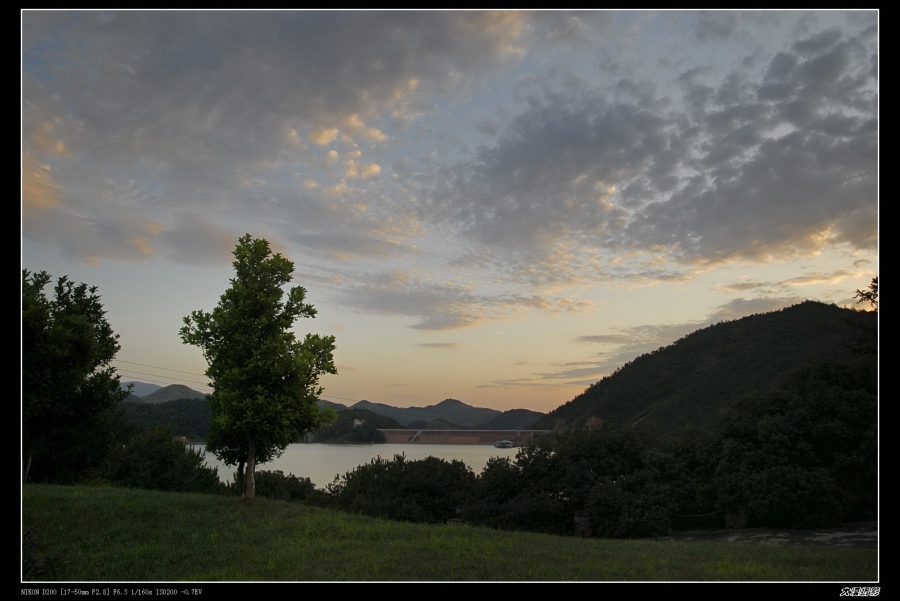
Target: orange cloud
40, 193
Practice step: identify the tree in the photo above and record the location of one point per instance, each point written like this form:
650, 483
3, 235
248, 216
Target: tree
804, 453
870, 295
67, 347
265, 381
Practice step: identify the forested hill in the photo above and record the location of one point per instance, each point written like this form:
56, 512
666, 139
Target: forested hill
688, 382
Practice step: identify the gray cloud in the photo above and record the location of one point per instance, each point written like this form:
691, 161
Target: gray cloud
715, 25
212, 108
440, 345
442, 306
169, 133
746, 169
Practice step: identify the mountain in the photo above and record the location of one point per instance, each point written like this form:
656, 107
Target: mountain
140, 389
322, 403
687, 383
513, 419
173, 392
355, 426
132, 398
448, 414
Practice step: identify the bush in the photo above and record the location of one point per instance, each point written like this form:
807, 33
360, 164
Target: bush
429, 490
617, 476
72, 455
154, 460
276, 485
805, 453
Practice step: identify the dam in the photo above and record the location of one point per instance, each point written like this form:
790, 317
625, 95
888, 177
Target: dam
486, 437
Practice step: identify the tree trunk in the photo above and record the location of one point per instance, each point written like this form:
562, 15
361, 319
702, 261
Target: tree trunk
27, 467
249, 480
27, 450
239, 478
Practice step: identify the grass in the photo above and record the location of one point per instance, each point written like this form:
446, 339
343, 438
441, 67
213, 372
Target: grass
89, 534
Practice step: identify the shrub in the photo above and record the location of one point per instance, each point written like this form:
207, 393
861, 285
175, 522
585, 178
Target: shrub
429, 490
277, 485
154, 460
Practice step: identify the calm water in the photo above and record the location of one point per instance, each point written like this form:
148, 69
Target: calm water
322, 462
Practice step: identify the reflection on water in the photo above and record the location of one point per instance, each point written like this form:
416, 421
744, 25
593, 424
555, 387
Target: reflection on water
321, 463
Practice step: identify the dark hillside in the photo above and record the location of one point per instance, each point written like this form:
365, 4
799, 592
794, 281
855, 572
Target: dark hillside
355, 426
172, 393
513, 419
183, 417
447, 413
688, 382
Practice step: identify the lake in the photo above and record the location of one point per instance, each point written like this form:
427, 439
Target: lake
322, 462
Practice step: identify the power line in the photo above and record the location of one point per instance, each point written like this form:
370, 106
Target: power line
128, 371
157, 367
206, 385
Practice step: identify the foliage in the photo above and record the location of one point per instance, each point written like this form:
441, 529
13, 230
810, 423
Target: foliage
524, 495
355, 426
497, 489
687, 383
619, 477
265, 381
73, 455
693, 483
803, 454
155, 460
430, 490
190, 418
869, 296
435, 424
276, 485
67, 347
806, 453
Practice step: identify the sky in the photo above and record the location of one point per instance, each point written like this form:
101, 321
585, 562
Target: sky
497, 207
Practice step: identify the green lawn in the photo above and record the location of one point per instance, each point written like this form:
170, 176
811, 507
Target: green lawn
86, 534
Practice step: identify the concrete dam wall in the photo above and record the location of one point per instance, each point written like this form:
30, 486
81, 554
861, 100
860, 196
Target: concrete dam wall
411, 436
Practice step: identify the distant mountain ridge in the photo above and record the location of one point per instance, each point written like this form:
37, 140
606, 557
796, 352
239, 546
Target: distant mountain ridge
449, 410
151, 393
453, 414
140, 389
448, 414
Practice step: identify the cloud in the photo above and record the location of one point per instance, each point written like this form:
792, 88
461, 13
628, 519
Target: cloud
624, 344
52, 216
490, 143
742, 168
807, 279
323, 136
209, 110
436, 306
715, 26
40, 193
195, 241
443, 305
440, 345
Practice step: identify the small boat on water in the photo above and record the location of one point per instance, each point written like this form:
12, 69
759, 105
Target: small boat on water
504, 444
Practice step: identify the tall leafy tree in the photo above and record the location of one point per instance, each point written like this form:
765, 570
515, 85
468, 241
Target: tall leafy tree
67, 347
265, 381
